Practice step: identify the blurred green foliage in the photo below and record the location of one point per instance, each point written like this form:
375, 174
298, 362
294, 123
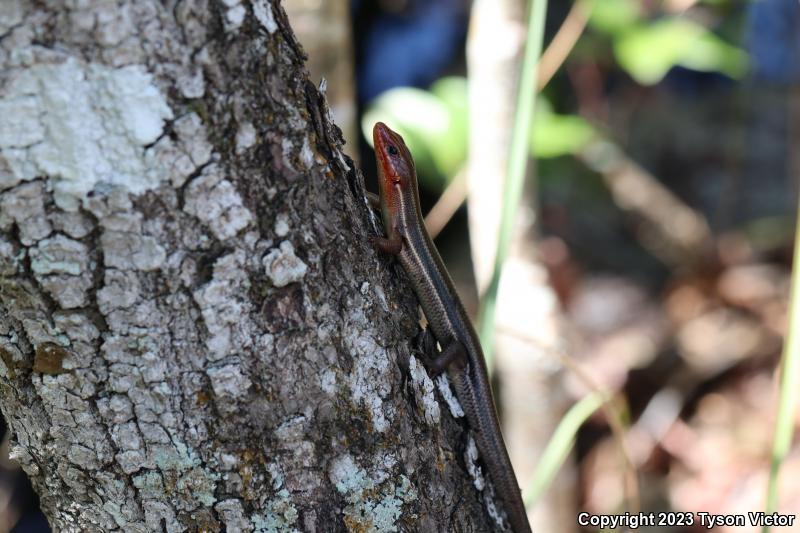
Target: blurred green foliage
642, 41
556, 135
647, 46
615, 16
648, 52
434, 125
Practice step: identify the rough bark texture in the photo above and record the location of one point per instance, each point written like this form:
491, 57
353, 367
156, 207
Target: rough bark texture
194, 332
324, 30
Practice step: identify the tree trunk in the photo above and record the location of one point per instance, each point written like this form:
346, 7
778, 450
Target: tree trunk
324, 31
195, 334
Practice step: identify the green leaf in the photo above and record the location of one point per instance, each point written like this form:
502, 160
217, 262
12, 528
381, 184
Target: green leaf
615, 16
648, 52
433, 125
452, 149
557, 135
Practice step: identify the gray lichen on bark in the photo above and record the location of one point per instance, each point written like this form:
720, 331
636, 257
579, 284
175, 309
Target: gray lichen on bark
194, 333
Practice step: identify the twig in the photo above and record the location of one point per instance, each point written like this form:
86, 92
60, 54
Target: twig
447, 204
564, 40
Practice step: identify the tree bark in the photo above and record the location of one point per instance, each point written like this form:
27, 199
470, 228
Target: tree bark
194, 332
324, 31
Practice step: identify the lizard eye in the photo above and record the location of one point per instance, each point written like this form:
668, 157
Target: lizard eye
392, 150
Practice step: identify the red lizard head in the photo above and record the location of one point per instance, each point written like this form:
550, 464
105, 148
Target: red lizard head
395, 164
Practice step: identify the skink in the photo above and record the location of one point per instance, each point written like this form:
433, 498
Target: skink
461, 353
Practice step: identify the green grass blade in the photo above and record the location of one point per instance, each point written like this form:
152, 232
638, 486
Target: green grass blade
518, 158
789, 382
560, 445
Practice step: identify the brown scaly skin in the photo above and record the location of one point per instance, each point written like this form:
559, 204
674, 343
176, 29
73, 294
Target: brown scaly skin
461, 355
